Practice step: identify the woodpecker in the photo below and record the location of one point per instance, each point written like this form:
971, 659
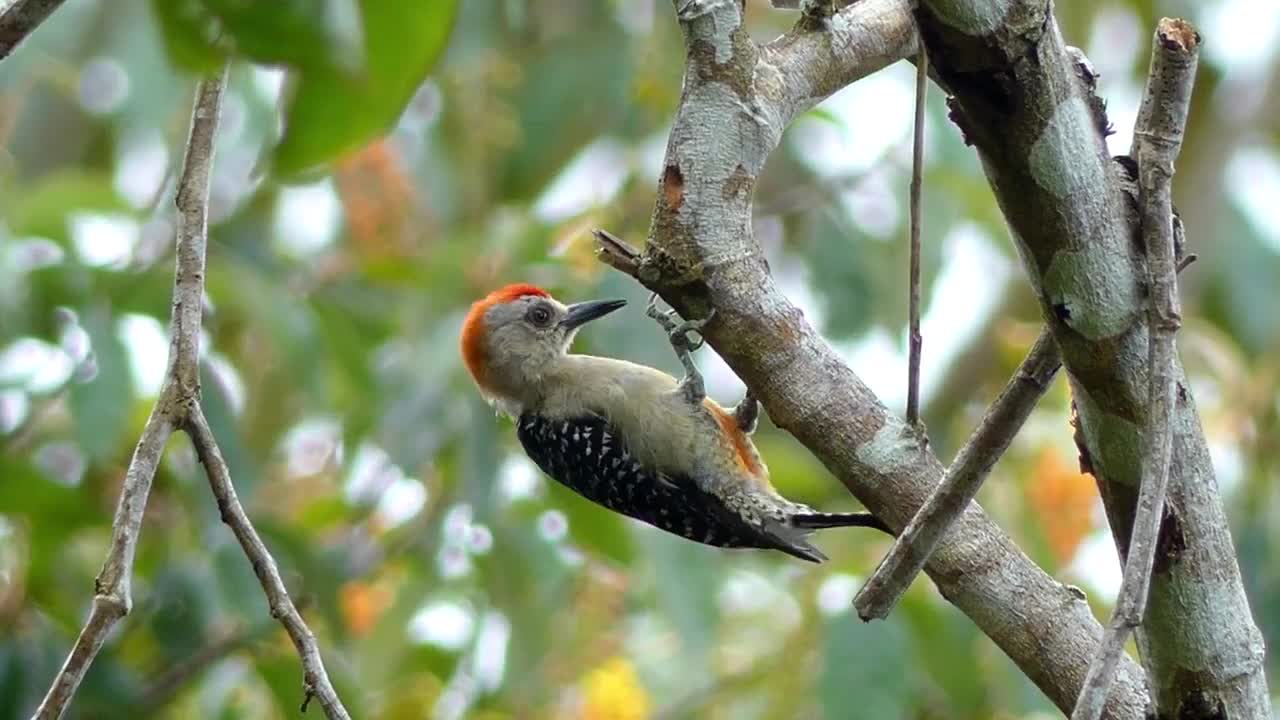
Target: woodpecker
630, 437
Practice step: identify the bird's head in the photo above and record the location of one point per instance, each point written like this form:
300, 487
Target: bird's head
513, 335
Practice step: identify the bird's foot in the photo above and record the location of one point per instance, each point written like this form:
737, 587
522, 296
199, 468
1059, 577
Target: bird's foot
747, 413
692, 386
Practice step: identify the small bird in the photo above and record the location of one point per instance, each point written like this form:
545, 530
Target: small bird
630, 437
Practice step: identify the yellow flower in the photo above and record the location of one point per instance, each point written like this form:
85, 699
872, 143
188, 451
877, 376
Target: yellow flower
613, 691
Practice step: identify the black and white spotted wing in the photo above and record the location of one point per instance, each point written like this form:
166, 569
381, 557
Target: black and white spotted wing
588, 457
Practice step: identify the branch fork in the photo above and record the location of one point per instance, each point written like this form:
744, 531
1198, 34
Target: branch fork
178, 408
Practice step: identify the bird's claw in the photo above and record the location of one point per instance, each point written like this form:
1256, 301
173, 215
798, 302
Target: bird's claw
747, 413
678, 333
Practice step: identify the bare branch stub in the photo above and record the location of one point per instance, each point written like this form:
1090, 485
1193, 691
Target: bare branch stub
1157, 139
20, 19
962, 481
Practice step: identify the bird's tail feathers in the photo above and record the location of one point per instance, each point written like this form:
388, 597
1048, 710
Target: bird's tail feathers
790, 540
820, 520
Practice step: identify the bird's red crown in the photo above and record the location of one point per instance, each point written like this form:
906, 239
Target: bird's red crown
472, 337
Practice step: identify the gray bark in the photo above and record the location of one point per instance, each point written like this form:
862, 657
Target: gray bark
737, 99
1039, 133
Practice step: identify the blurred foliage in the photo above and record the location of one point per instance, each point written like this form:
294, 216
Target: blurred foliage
363, 195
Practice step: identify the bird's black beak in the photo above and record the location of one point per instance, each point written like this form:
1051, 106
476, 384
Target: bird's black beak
584, 312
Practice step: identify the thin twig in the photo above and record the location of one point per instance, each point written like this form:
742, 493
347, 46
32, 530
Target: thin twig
315, 679
915, 342
113, 597
963, 478
20, 19
1157, 140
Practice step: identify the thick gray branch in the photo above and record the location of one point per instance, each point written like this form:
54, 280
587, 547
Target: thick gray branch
809, 64
702, 254
19, 19
1157, 140
1020, 98
960, 485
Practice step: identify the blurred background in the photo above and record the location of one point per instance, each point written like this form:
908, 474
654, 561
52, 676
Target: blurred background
444, 575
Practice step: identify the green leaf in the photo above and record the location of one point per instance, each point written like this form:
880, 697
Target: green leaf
841, 271
307, 34
593, 80
864, 672
187, 26
825, 115
103, 404
690, 603
331, 113
301, 34
944, 651
43, 209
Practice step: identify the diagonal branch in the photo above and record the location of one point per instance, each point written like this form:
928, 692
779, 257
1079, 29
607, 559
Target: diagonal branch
113, 597
19, 20
963, 478
1157, 140
914, 341
315, 679
178, 407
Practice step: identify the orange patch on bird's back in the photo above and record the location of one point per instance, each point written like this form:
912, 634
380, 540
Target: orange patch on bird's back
742, 449
471, 340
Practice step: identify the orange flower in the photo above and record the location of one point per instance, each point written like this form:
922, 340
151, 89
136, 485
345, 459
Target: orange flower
377, 198
362, 604
1063, 500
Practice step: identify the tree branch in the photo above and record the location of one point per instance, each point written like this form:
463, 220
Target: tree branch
315, 679
112, 590
20, 19
1157, 140
1027, 107
914, 341
963, 478
809, 63
737, 99
113, 598
178, 406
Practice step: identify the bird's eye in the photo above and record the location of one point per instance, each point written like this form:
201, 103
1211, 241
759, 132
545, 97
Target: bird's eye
540, 315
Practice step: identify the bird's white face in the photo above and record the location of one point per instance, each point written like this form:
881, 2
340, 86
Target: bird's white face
527, 329
525, 336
